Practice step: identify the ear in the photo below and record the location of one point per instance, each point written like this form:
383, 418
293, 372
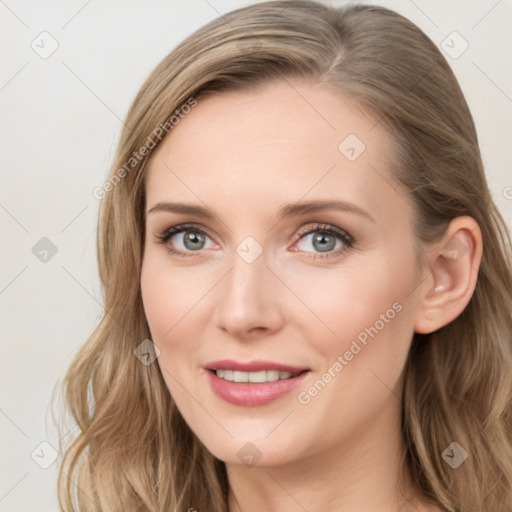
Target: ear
453, 264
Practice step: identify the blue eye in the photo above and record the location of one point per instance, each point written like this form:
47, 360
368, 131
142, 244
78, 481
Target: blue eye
192, 241
329, 240
185, 240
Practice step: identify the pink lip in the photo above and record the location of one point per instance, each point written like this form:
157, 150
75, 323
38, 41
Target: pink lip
252, 394
253, 366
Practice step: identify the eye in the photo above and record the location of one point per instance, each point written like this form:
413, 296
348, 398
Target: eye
327, 240
184, 240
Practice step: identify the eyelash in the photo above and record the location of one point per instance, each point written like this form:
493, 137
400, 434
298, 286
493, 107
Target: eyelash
347, 240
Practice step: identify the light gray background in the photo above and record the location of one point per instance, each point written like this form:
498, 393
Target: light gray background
61, 119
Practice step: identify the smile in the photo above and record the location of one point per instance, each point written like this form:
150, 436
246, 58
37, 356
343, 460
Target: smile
255, 383
261, 376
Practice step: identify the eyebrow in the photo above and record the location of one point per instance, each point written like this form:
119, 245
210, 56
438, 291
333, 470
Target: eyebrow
289, 210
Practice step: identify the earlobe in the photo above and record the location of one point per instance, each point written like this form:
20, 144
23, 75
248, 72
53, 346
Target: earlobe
454, 265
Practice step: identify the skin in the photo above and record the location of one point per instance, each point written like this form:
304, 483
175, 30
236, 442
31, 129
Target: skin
243, 156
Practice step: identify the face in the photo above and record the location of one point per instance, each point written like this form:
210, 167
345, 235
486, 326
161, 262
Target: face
280, 292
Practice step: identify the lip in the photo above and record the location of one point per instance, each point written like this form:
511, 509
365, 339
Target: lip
253, 394
253, 366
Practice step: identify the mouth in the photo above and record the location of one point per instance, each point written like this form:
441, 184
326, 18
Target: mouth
253, 384
255, 377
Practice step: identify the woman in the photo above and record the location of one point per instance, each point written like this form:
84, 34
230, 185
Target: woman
308, 287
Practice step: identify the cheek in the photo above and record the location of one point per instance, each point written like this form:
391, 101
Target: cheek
371, 313
354, 299
171, 296
168, 300
177, 310
362, 362
371, 323
159, 301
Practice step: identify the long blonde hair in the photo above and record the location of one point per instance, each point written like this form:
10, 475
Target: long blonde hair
133, 450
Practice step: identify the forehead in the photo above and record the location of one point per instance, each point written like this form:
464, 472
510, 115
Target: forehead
279, 143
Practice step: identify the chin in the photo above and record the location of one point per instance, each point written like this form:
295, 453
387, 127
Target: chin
250, 449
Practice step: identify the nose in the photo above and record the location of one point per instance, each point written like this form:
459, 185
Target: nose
248, 305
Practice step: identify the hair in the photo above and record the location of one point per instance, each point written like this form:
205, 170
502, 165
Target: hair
133, 450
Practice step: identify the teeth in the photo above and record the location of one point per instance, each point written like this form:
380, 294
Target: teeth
240, 376
262, 376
